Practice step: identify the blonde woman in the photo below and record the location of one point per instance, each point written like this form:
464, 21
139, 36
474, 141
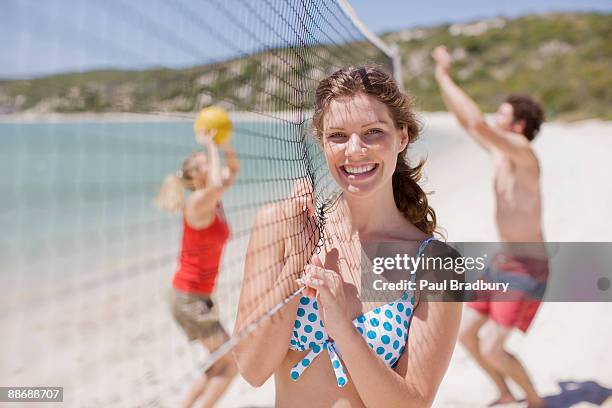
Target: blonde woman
205, 232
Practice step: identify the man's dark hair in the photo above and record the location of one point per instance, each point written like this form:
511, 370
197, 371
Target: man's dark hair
529, 111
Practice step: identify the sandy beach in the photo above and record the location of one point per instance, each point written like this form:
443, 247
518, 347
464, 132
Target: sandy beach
113, 343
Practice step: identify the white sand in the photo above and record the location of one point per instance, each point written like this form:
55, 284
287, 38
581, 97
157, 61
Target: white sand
114, 344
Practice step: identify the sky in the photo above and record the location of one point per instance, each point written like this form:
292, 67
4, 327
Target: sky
52, 36
388, 15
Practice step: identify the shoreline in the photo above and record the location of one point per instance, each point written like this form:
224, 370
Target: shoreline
143, 117
238, 116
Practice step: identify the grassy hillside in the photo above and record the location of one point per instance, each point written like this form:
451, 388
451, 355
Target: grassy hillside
563, 60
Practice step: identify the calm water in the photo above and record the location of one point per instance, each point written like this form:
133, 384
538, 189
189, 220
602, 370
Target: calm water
74, 195
71, 188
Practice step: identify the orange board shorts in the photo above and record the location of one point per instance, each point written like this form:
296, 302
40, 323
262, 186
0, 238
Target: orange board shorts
518, 307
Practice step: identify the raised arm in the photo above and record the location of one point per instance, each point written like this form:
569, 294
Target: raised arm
229, 172
467, 111
200, 207
282, 239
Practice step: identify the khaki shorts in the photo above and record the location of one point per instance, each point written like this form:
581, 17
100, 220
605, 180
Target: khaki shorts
196, 314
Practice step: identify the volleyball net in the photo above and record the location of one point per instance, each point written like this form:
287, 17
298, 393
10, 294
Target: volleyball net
87, 260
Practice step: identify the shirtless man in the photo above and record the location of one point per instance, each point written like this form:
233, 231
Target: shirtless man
518, 218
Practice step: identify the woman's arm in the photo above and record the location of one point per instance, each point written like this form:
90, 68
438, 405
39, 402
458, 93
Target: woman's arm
273, 263
422, 365
267, 281
200, 206
229, 172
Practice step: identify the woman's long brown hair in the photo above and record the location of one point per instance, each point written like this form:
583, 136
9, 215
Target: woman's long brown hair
409, 197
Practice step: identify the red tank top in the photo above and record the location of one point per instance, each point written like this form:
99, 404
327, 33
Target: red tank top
200, 256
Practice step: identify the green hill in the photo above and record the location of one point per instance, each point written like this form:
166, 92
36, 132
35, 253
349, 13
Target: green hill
563, 60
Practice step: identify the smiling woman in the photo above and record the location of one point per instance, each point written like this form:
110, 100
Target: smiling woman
385, 117
84, 244
364, 125
356, 153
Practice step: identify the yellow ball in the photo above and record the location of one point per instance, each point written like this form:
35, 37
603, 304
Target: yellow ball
217, 119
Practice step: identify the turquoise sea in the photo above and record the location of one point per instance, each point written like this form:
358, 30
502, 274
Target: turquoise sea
77, 196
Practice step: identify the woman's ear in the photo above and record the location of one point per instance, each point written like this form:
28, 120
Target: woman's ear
405, 139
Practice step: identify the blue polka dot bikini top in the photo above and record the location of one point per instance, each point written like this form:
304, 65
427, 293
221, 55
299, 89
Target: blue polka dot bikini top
385, 329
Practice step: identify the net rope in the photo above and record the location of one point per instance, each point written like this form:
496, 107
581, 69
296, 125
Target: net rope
88, 261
